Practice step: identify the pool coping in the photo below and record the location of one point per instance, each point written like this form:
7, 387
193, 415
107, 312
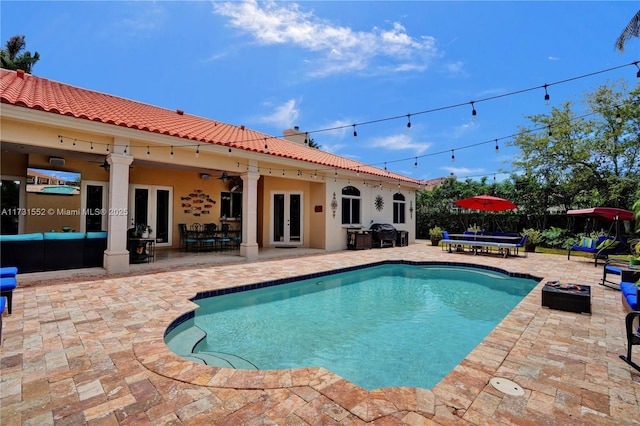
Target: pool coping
151, 351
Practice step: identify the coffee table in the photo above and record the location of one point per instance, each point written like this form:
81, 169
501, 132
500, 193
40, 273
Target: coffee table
567, 297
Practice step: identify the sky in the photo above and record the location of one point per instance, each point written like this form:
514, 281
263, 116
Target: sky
326, 65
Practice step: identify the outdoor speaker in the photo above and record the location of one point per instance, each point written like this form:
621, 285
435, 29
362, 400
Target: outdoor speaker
56, 161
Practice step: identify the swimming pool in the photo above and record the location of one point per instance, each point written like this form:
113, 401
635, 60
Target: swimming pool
394, 324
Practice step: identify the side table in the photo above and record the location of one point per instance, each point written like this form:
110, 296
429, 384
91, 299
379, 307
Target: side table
141, 250
567, 297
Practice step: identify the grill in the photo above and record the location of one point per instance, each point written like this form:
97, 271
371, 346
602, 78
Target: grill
383, 234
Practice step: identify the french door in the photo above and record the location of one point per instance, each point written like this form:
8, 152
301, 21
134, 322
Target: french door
95, 206
152, 206
286, 218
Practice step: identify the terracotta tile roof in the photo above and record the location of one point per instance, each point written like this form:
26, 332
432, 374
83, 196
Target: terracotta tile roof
29, 91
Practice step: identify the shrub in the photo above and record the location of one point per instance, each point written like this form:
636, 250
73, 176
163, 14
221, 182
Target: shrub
555, 237
535, 237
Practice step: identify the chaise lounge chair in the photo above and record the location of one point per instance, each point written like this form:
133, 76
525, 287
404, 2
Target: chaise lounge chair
600, 248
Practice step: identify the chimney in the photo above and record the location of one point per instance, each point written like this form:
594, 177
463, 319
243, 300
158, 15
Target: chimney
295, 135
20, 74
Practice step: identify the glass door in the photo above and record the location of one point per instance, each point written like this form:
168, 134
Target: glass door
13, 204
286, 218
151, 206
95, 206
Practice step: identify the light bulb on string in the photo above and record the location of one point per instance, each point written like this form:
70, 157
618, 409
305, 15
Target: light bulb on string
358, 172
497, 147
474, 113
306, 139
148, 152
453, 156
108, 148
266, 146
408, 122
546, 94
198, 151
385, 166
618, 116
61, 140
550, 132
355, 133
415, 165
125, 148
91, 145
171, 153
638, 73
74, 142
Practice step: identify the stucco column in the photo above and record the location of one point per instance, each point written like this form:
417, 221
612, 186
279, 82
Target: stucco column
116, 257
249, 245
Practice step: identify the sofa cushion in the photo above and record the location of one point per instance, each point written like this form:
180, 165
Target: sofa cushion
96, 234
22, 237
8, 271
628, 289
63, 235
7, 284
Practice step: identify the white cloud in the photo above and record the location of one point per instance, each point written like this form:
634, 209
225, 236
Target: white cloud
461, 172
284, 116
399, 142
340, 49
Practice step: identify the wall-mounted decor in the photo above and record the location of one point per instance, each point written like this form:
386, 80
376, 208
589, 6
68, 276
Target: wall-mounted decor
411, 209
317, 209
194, 203
379, 203
334, 205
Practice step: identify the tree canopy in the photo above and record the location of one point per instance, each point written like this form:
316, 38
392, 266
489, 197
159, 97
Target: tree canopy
12, 56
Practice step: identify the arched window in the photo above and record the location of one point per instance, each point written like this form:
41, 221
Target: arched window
350, 205
398, 208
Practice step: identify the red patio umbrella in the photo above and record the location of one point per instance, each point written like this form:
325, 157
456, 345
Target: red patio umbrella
487, 203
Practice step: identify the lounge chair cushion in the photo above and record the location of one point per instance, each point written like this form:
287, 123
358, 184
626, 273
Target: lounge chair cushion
608, 244
588, 242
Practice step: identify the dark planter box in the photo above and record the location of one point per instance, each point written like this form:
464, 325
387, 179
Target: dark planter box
570, 300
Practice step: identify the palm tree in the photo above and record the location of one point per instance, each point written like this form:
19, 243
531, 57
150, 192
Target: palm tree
632, 30
11, 58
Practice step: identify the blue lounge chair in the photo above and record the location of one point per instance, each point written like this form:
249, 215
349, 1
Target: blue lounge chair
600, 248
8, 283
630, 292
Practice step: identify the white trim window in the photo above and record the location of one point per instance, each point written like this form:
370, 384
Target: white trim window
399, 208
351, 203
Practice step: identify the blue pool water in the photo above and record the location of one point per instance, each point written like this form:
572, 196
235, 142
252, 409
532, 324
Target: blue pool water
388, 325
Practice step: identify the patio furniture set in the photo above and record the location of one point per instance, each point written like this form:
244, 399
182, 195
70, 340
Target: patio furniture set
200, 237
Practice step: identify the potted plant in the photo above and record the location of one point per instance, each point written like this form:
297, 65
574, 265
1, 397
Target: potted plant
634, 258
534, 239
435, 234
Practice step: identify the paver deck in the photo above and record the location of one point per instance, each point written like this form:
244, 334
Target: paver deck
91, 351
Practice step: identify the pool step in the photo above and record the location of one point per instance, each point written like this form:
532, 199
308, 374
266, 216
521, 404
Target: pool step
183, 342
219, 359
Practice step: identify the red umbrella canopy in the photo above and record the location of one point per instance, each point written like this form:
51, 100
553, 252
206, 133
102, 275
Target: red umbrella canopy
486, 202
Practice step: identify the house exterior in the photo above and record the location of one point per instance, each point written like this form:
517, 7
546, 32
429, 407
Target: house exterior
142, 164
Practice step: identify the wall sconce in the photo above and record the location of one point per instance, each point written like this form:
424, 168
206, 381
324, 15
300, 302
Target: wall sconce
205, 176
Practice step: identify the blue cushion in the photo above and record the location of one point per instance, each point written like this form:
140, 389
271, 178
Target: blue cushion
7, 284
628, 289
96, 234
8, 271
63, 235
633, 302
3, 304
613, 270
22, 237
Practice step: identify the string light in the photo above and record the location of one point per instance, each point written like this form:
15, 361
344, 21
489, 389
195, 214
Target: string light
638, 73
171, 154
355, 133
497, 147
61, 139
473, 110
550, 132
408, 122
415, 165
453, 157
306, 138
546, 94
266, 147
107, 148
125, 148
618, 116
74, 142
91, 146
148, 152
198, 151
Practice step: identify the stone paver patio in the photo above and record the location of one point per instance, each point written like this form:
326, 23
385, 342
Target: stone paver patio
91, 351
